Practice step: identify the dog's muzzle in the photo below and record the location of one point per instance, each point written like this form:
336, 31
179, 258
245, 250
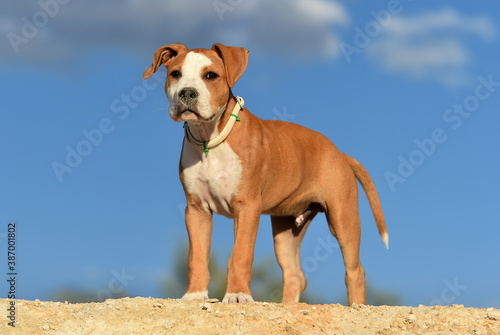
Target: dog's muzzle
188, 96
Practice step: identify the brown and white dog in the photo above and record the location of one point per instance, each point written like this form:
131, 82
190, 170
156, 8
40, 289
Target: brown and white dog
252, 167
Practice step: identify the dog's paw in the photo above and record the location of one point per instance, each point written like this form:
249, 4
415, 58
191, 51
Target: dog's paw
237, 297
196, 296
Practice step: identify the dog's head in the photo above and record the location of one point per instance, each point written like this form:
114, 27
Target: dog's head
199, 81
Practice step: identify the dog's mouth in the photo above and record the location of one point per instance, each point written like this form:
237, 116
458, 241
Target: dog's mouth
191, 115
187, 114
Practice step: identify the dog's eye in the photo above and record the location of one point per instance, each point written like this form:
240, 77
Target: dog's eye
175, 74
212, 75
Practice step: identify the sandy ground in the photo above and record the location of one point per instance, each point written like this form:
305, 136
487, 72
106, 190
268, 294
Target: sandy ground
166, 316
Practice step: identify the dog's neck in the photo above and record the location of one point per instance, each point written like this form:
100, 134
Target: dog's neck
206, 131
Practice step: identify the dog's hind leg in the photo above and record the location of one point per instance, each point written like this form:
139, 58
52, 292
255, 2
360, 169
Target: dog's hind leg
288, 237
344, 223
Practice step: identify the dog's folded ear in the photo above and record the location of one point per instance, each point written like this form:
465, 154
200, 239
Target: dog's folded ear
163, 55
235, 61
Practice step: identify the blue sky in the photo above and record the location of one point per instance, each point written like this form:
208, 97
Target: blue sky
409, 88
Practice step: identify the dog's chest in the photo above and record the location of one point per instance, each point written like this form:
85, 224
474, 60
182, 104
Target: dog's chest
214, 178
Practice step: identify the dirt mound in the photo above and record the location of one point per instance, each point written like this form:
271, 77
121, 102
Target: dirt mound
159, 316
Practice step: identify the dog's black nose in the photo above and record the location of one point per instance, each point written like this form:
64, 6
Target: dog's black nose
188, 95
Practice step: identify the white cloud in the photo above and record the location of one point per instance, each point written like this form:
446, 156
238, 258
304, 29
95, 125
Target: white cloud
444, 20
321, 11
297, 28
431, 45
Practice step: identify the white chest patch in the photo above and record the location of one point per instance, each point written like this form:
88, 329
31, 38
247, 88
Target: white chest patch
214, 178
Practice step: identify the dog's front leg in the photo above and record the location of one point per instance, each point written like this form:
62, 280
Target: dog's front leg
199, 227
239, 272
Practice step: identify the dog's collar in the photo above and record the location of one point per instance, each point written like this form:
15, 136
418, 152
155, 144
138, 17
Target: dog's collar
222, 136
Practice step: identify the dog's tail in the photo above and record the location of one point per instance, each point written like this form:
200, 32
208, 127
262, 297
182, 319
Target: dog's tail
371, 193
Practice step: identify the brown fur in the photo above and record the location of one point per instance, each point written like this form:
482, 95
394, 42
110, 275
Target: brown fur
287, 170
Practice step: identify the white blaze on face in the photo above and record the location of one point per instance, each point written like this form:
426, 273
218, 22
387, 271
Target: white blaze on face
191, 76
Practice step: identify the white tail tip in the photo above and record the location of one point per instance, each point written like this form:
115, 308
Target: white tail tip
385, 238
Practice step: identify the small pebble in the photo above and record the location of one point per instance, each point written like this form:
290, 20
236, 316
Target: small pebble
212, 301
494, 315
